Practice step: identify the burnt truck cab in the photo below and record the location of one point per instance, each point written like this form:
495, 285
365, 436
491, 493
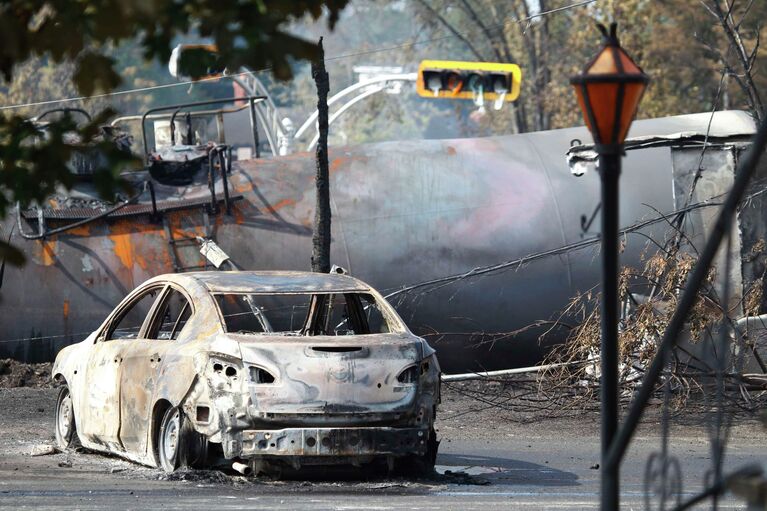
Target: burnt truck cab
278, 368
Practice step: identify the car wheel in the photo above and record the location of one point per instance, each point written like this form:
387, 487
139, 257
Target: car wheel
178, 445
169, 440
66, 431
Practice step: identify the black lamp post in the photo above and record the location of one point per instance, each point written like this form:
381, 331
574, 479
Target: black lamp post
609, 91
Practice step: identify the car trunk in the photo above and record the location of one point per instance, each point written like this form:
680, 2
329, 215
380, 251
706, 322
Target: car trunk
326, 379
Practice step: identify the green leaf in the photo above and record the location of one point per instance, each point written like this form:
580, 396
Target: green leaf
95, 73
199, 63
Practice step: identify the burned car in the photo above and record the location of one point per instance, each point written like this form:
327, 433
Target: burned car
264, 369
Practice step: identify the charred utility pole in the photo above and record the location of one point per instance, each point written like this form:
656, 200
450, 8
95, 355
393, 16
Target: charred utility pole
321, 234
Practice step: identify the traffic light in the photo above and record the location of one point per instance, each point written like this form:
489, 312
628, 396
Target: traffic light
478, 81
196, 61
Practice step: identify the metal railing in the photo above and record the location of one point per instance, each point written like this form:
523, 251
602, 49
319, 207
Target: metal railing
180, 107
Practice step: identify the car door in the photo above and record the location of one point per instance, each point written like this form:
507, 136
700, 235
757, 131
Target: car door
141, 367
101, 411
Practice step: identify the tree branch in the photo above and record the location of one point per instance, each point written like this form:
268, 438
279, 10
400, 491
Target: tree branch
452, 29
736, 43
475, 17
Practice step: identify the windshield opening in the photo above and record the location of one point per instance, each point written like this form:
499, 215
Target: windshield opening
302, 314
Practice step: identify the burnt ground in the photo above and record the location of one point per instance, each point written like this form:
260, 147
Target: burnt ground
17, 374
490, 458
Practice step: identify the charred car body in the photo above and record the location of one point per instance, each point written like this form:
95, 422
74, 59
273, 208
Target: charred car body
277, 368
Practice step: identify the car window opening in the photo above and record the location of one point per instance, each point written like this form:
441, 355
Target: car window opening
333, 314
173, 314
128, 324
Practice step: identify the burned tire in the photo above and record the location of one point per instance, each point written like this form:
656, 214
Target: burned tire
178, 445
66, 430
419, 466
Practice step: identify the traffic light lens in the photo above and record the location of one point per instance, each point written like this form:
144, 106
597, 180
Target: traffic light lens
500, 84
433, 80
454, 82
475, 84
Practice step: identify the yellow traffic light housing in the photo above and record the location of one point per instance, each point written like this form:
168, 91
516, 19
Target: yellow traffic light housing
478, 81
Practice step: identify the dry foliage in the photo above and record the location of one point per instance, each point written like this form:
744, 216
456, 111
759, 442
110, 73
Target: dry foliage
649, 297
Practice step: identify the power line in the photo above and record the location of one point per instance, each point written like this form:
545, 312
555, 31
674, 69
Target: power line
336, 57
123, 92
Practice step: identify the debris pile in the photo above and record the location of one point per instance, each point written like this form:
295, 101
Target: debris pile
18, 374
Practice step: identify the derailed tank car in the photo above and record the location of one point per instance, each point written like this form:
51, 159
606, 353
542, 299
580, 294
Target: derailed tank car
413, 218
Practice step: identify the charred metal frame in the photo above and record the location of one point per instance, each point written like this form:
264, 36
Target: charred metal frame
223, 155
43, 232
180, 106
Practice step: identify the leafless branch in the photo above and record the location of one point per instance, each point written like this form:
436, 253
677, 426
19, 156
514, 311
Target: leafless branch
432, 11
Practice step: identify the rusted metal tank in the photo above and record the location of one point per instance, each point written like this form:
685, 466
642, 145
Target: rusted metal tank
404, 213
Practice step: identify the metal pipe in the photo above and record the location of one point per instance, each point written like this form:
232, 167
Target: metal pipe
152, 195
743, 325
173, 126
343, 109
508, 372
242, 468
225, 159
212, 182
748, 322
745, 170
267, 133
257, 89
408, 77
197, 113
220, 131
254, 128
609, 170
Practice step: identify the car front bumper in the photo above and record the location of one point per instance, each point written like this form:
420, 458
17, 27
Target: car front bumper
328, 442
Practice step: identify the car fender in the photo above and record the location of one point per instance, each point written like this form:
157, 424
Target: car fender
70, 366
176, 377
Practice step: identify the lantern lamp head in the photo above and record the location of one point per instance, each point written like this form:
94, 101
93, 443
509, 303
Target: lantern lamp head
609, 91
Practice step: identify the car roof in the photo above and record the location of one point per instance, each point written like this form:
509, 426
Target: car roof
268, 281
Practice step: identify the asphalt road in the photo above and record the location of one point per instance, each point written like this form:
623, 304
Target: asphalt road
487, 462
